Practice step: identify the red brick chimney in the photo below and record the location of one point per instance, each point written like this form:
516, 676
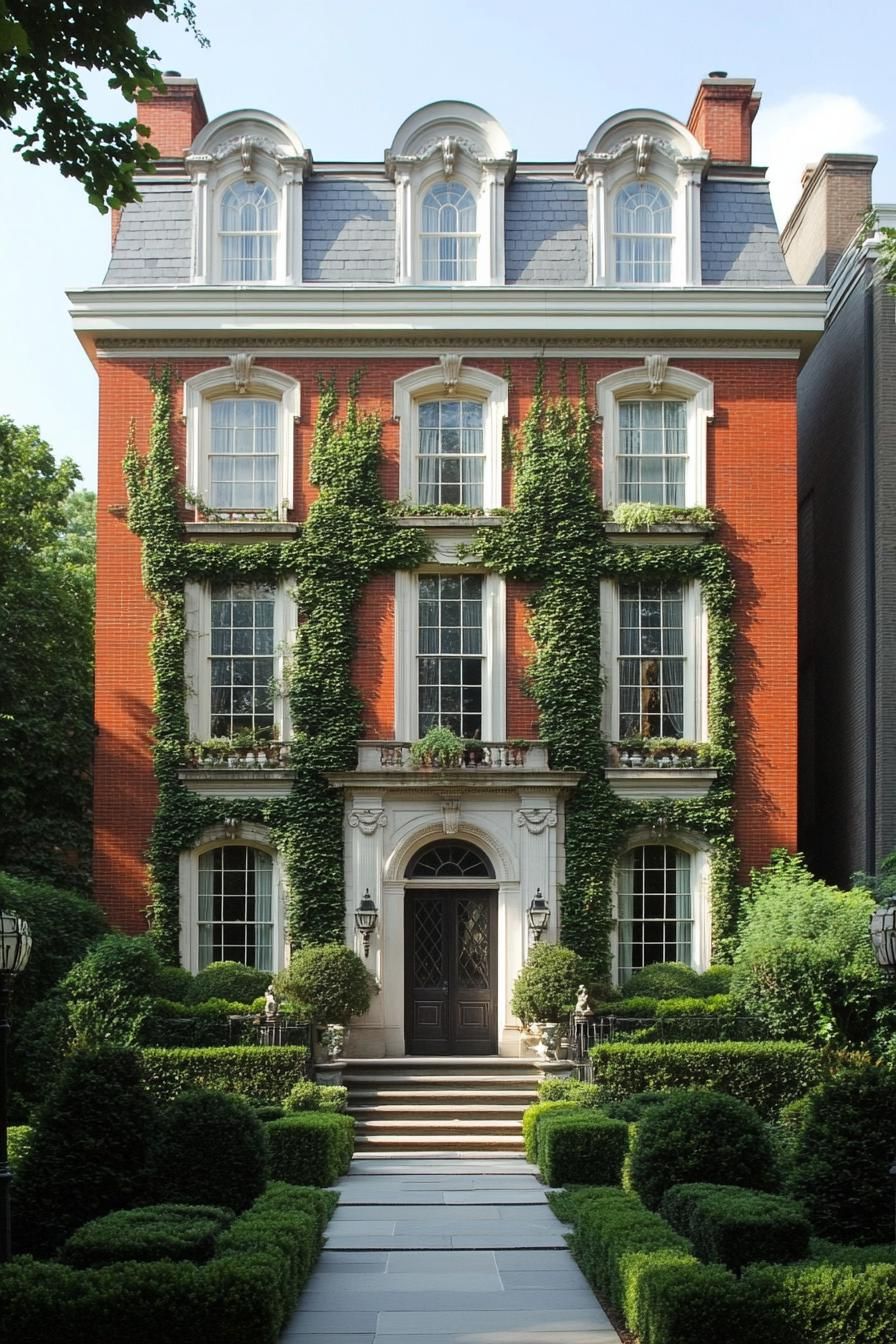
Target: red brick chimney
175, 115
722, 117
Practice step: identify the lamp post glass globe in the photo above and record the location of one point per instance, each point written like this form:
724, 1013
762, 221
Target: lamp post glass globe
15, 949
15, 943
882, 930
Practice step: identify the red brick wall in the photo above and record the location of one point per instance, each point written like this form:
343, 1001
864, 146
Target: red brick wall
174, 118
722, 119
751, 481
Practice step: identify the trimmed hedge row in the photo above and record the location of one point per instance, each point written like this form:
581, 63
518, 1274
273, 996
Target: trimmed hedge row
767, 1074
245, 1293
580, 1147
157, 1232
310, 1147
531, 1117
647, 1270
731, 1226
264, 1073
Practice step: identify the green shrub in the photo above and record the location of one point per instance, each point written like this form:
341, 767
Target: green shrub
208, 1148
736, 1227
334, 1098
245, 1293
305, 1096
580, 1147
568, 1089
63, 926
765, 1073
804, 965
174, 983
311, 1148
186, 1025
42, 1041
842, 1153
88, 1149
157, 1232
715, 980
229, 980
531, 1116
700, 1136
110, 990
641, 1006
632, 1108
330, 980
18, 1141
546, 988
663, 980
266, 1113
834, 1253
828, 1303
260, 1072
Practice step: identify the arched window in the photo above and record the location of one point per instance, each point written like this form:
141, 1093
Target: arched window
236, 906
655, 909
642, 226
653, 452
248, 231
450, 452
446, 859
243, 455
448, 233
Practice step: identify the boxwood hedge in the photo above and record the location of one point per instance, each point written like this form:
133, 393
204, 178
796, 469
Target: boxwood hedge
731, 1226
581, 1147
311, 1147
156, 1232
264, 1073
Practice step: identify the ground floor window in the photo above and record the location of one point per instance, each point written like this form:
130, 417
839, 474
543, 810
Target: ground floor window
236, 916
656, 921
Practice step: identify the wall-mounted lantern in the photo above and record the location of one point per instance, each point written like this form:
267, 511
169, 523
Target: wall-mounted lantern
366, 916
539, 915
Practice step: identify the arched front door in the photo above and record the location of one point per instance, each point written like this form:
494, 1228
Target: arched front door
451, 954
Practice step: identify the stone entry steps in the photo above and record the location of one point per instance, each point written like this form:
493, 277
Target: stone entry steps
440, 1105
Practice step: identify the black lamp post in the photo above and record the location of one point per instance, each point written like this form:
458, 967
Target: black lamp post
15, 949
539, 915
366, 915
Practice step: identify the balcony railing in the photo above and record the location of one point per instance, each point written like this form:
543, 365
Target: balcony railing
482, 756
260, 756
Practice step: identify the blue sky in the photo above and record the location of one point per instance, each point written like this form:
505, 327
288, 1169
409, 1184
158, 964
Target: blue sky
346, 73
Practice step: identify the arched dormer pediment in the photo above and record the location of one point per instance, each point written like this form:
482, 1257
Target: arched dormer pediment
247, 169
637, 162
450, 162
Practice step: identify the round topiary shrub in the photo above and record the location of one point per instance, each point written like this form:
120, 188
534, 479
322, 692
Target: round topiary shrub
174, 983
87, 1153
305, 1096
715, 980
229, 980
663, 980
329, 980
110, 990
700, 1136
547, 986
158, 1232
841, 1154
208, 1148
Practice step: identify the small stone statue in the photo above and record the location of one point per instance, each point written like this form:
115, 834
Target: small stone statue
270, 1002
582, 1009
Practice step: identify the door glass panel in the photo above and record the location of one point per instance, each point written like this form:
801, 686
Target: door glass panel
472, 944
429, 943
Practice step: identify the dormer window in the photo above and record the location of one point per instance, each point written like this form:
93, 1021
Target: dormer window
448, 235
642, 220
248, 232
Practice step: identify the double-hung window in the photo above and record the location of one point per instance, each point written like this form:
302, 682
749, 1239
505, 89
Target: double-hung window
450, 653
448, 236
243, 455
651, 661
248, 232
242, 658
642, 223
655, 908
450, 452
236, 906
653, 452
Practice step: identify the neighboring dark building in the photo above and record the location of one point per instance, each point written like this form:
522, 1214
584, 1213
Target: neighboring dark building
847, 483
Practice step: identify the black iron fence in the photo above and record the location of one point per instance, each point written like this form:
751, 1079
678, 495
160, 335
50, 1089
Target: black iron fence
257, 1029
586, 1032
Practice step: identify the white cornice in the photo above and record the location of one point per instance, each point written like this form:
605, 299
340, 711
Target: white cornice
789, 312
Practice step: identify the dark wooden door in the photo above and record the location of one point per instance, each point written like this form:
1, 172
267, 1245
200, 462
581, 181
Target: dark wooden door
451, 972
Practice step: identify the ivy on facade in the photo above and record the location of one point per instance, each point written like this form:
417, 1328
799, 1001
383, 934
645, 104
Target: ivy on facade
553, 539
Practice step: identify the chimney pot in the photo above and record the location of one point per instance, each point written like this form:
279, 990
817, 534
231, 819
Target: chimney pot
718, 74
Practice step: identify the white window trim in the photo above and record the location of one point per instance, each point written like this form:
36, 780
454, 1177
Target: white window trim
696, 669
258, 146
197, 656
697, 847
675, 385
471, 383
249, 835
494, 651
203, 388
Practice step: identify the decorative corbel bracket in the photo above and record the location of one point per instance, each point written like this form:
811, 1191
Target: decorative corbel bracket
450, 370
367, 819
242, 371
655, 367
450, 813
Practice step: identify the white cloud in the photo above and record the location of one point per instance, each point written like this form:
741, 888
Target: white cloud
790, 135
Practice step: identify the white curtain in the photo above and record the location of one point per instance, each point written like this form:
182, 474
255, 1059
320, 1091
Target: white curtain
683, 907
206, 907
264, 930
625, 911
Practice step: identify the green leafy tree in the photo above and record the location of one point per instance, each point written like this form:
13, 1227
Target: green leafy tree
46, 692
44, 47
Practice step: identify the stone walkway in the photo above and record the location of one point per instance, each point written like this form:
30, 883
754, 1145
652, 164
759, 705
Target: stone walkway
461, 1250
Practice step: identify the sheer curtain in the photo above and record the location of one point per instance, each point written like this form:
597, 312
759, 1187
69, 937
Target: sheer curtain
206, 908
626, 914
683, 907
264, 927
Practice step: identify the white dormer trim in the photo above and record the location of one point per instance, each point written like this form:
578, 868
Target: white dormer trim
254, 145
656, 378
642, 144
442, 141
241, 377
451, 378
